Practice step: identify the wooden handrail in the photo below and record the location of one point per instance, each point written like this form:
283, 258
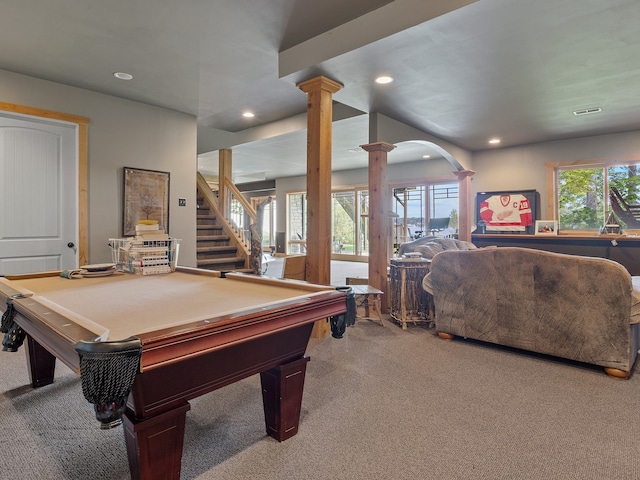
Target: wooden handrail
234, 199
237, 195
242, 240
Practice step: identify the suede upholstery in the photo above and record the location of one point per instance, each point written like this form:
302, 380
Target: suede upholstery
581, 308
428, 247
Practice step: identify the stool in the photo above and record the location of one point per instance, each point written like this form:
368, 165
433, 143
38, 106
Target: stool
369, 297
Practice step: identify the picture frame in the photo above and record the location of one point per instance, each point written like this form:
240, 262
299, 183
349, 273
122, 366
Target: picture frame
522, 207
146, 197
546, 227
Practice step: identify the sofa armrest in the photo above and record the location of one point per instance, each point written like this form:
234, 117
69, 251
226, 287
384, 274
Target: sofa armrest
427, 286
635, 301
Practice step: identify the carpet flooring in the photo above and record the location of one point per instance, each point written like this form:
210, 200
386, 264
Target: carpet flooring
380, 403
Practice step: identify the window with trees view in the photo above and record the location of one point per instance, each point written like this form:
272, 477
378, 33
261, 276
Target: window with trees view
588, 198
349, 212
350, 222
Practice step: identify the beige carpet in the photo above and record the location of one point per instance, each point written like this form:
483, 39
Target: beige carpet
381, 403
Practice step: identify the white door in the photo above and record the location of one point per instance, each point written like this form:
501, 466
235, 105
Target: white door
38, 195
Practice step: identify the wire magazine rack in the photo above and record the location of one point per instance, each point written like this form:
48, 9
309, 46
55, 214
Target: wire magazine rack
145, 257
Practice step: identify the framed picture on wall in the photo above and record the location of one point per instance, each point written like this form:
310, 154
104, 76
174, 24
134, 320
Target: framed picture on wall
508, 211
146, 197
546, 227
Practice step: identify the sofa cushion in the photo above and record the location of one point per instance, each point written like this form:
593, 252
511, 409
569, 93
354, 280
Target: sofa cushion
430, 246
429, 250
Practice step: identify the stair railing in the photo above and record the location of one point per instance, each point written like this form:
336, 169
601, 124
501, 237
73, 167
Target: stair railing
234, 212
239, 212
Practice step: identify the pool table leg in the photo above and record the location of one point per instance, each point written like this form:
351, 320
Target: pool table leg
40, 362
282, 388
154, 445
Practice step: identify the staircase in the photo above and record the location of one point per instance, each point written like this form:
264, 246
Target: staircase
215, 248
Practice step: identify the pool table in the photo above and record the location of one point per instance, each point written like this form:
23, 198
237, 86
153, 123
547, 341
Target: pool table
194, 331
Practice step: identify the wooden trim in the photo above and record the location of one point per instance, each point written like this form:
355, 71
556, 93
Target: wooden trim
379, 209
319, 92
38, 112
552, 176
237, 195
83, 155
465, 203
320, 83
595, 162
224, 174
83, 194
552, 210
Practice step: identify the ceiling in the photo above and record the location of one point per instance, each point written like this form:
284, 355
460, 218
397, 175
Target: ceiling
514, 69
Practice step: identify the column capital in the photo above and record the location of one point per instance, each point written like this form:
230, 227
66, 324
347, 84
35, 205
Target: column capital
462, 174
378, 147
320, 83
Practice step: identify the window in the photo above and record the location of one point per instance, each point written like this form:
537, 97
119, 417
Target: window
443, 202
269, 224
409, 205
268, 219
343, 213
296, 222
350, 223
414, 206
418, 206
350, 217
592, 196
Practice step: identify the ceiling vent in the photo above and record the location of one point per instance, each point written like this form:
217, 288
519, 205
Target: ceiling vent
587, 111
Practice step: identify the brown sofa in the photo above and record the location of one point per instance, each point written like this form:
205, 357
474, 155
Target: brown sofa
430, 246
580, 308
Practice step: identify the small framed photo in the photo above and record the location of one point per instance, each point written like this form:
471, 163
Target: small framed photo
546, 227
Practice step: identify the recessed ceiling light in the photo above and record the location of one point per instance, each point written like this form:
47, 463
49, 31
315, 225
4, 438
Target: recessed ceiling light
494, 141
384, 79
426, 156
248, 114
587, 111
123, 76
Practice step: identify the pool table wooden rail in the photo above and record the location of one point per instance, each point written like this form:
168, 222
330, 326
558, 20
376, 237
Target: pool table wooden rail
185, 361
45, 327
59, 335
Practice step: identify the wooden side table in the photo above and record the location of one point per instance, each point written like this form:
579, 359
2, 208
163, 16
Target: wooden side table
369, 297
409, 301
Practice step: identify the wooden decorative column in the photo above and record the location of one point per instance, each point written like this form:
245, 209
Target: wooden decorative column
379, 208
319, 92
465, 202
224, 174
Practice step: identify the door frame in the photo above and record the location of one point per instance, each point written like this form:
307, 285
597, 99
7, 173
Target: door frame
82, 137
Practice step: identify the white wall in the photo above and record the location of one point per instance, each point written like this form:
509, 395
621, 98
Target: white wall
121, 133
516, 168
386, 129
523, 168
125, 133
